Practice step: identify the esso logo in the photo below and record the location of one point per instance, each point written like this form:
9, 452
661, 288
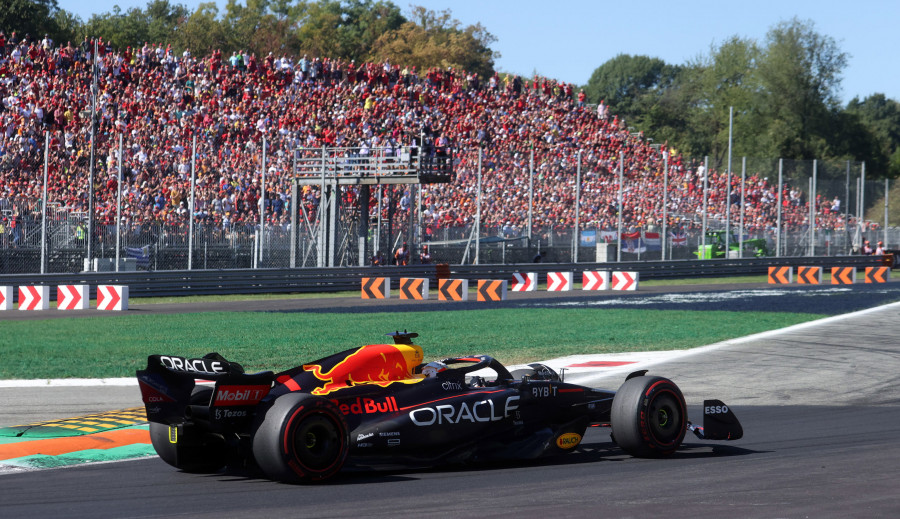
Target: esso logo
568, 440
715, 409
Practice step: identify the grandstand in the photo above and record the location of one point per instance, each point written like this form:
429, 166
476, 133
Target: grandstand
157, 102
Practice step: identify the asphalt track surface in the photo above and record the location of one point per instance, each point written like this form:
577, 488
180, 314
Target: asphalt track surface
819, 405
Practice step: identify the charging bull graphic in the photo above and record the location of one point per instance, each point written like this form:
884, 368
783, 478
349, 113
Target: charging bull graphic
380, 364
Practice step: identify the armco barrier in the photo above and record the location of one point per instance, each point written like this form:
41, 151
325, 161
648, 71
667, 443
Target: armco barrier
347, 279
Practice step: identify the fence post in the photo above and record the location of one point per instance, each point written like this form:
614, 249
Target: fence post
728, 186
665, 216
577, 208
191, 209
705, 204
741, 231
478, 212
119, 203
621, 194
778, 220
44, 204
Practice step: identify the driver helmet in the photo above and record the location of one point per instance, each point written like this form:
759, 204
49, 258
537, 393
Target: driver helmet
433, 368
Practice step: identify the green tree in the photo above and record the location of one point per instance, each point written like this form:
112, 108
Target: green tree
726, 80
800, 72
880, 117
623, 81
156, 24
201, 32
34, 18
436, 39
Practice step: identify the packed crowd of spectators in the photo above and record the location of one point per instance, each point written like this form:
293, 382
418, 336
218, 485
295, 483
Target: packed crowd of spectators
157, 102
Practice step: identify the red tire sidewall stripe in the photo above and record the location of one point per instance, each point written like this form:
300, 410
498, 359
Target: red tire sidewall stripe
294, 461
647, 394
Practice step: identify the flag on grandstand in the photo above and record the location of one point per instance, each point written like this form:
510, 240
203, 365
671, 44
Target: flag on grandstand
652, 241
631, 242
588, 238
608, 236
141, 256
678, 238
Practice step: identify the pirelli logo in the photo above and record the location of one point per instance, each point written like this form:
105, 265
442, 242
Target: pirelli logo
376, 288
453, 289
878, 274
413, 288
491, 290
809, 275
781, 275
843, 275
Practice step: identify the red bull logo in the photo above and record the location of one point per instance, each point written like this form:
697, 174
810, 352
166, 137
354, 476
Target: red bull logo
380, 364
368, 405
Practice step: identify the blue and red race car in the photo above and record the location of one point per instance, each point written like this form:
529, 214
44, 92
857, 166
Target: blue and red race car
380, 404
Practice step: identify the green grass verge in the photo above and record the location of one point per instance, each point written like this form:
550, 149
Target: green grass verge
116, 346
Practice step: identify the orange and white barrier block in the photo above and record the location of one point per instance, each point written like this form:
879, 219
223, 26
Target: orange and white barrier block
73, 297
526, 282
453, 290
878, 274
376, 288
595, 280
112, 297
491, 290
34, 298
843, 275
413, 288
781, 275
559, 281
809, 275
6, 298
624, 281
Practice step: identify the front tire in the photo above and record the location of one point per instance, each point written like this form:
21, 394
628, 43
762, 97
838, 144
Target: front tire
302, 439
649, 417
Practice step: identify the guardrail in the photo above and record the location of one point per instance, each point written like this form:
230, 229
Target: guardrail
338, 279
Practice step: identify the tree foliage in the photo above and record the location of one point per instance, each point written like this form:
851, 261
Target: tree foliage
433, 38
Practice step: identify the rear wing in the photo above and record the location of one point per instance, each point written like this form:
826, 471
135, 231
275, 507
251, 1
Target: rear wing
168, 390
211, 366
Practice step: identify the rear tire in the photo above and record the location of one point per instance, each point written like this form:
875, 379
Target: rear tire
196, 450
302, 439
648, 417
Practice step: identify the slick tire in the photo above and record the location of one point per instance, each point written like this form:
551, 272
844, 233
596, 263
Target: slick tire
195, 450
301, 439
648, 417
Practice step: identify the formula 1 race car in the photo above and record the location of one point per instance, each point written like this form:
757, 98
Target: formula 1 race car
380, 404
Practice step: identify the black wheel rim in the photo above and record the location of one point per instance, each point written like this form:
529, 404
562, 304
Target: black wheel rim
317, 442
665, 418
